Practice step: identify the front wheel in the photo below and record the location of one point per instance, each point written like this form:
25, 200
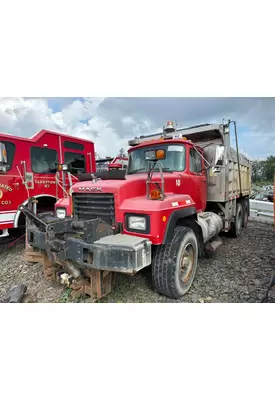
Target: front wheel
174, 265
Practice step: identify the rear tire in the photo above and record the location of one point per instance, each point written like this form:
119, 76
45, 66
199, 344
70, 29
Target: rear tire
174, 265
237, 225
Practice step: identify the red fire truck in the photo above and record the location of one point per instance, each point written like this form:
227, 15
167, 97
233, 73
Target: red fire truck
29, 167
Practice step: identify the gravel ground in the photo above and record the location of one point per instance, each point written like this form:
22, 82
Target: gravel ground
238, 272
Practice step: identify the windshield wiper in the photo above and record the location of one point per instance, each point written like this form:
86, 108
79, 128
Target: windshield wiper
163, 169
154, 169
136, 170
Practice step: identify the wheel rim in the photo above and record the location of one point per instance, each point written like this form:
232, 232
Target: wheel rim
186, 263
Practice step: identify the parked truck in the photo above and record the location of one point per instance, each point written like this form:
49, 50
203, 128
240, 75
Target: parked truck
28, 168
108, 163
182, 188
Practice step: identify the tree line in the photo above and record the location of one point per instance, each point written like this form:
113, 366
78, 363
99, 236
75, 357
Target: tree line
263, 170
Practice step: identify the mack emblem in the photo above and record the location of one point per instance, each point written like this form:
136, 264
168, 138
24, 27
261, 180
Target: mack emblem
94, 189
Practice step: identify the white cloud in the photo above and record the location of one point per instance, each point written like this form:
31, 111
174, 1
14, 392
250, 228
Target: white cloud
107, 141
111, 122
25, 117
258, 144
253, 116
128, 121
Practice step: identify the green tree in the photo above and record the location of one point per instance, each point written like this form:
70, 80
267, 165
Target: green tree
258, 170
263, 170
269, 168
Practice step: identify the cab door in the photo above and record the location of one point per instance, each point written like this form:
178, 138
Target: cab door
198, 181
76, 155
41, 169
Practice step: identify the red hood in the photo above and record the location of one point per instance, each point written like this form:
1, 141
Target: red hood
132, 186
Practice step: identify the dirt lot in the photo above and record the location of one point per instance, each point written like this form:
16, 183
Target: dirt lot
238, 272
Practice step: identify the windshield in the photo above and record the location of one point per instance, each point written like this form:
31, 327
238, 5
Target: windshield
174, 161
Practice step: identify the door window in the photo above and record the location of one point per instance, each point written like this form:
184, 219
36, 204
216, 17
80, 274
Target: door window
195, 161
43, 160
76, 161
73, 145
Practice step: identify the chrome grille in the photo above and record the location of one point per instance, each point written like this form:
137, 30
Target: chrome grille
92, 205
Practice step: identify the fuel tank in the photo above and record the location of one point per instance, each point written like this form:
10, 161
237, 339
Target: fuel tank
211, 225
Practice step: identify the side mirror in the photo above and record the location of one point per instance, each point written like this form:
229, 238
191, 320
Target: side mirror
219, 156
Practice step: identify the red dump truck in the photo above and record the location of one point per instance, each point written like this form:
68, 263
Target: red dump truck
182, 188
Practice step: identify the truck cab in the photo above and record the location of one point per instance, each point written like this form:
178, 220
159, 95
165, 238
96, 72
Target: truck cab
183, 168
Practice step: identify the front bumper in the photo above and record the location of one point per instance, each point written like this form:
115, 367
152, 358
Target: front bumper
112, 252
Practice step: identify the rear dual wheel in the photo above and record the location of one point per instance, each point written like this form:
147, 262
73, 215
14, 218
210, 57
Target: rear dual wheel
245, 212
174, 265
237, 225
241, 218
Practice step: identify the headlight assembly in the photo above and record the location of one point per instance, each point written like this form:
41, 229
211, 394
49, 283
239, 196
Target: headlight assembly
61, 213
137, 223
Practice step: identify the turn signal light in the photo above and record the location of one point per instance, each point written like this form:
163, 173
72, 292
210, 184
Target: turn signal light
155, 194
62, 167
160, 154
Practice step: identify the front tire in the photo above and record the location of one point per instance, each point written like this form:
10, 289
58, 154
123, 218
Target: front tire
174, 265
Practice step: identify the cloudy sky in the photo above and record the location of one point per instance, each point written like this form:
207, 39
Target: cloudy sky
110, 122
